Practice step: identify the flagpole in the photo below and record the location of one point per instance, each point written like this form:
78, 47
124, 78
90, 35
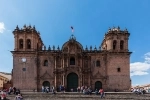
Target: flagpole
72, 35
72, 30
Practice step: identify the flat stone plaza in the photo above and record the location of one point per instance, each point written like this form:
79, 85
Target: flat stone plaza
80, 96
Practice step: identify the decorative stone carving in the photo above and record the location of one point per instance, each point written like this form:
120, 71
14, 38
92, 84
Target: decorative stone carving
46, 75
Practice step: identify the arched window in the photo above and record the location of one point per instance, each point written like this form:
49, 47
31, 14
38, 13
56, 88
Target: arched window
114, 44
21, 44
97, 63
45, 63
121, 44
72, 61
28, 44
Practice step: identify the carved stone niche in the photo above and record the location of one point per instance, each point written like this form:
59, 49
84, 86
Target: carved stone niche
78, 62
46, 75
72, 48
65, 49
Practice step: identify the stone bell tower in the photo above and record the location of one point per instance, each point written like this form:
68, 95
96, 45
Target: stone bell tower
27, 43
27, 39
116, 40
115, 43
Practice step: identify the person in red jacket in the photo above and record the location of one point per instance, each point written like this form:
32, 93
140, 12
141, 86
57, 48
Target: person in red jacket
101, 91
3, 95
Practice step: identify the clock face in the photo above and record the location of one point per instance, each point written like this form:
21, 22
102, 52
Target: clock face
23, 59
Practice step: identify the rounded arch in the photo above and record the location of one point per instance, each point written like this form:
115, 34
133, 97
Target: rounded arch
45, 63
65, 45
98, 85
72, 81
98, 63
46, 84
114, 45
28, 44
121, 45
21, 43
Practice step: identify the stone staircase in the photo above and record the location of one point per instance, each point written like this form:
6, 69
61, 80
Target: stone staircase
80, 96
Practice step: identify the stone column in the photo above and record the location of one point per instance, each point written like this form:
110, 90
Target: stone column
16, 42
24, 42
33, 45
67, 62
63, 62
55, 62
55, 73
55, 81
63, 80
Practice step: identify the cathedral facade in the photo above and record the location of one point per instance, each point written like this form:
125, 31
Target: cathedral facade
71, 65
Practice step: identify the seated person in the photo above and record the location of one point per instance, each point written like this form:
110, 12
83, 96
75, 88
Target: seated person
17, 91
3, 95
19, 97
96, 92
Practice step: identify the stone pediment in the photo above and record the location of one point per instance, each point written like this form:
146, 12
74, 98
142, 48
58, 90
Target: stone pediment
98, 75
46, 75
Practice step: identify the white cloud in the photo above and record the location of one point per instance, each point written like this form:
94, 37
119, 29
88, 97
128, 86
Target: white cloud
2, 28
147, 57
7, 45
133, 85
141, 68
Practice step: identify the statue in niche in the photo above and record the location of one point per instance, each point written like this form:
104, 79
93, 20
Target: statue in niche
78, 62
71, 48
66, 49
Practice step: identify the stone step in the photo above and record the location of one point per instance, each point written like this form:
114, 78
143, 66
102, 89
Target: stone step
80, 96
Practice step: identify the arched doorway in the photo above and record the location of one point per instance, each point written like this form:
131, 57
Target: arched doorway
72, 82
46, 84
98, 85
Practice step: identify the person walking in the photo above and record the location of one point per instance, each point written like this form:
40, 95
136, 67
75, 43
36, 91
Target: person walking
101, 91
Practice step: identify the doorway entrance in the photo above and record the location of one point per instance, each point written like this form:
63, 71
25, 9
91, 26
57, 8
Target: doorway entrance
98, 85
46, 84
72, 82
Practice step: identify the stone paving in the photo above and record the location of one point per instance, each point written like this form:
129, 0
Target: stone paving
77, 96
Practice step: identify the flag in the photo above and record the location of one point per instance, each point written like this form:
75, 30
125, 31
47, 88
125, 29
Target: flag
72, 29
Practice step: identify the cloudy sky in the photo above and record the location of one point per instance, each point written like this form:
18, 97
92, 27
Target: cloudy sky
90, 19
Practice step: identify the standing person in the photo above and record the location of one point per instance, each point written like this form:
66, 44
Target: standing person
10, 90
47, 89
42, 89
101, 91
14, 89
17, 91
53, 90
60, 88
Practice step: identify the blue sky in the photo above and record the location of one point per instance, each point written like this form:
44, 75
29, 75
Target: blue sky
90, 19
